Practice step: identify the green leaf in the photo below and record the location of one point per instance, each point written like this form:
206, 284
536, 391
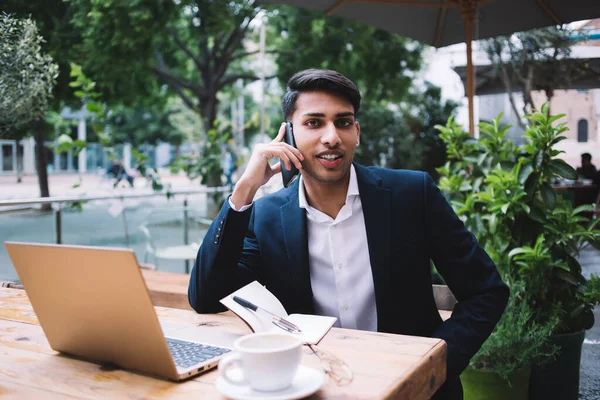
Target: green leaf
548, 195
584, 207
537, 215
558, 139
531, 182
517, 251
545, 107
562, 169
566, 276
556, 118
93, 107
505, 208
539, 158
525, 172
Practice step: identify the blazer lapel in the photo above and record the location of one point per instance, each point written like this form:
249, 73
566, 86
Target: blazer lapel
295, 238
376, 203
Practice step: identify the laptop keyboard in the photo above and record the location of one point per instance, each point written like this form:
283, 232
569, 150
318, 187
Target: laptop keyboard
185, 354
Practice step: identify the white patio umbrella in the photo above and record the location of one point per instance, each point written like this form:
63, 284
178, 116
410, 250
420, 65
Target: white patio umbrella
445, 22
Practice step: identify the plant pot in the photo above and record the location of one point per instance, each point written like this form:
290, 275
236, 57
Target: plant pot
559, 379
481, 384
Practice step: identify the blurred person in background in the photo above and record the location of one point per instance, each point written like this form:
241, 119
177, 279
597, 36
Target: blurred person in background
587, 169
118, 171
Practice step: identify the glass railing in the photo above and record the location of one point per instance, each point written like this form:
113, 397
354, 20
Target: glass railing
181, 219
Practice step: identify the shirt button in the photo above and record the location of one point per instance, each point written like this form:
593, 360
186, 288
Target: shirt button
340, 265
346, 307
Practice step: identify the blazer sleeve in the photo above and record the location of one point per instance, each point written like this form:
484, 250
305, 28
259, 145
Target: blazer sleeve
471, 276
227, 260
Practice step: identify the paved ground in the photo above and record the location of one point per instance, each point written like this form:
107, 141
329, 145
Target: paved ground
96, 226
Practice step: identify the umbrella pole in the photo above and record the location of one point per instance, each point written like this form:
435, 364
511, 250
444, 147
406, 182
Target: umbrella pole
467, 14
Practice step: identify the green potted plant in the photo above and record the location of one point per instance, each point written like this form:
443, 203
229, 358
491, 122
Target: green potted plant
504, 195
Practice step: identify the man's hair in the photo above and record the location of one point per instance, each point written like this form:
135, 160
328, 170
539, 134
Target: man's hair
318, 79
586, 156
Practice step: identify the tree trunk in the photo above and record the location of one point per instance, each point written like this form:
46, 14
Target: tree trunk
42, 162
527, 91
509, 92
19, 166
208, 111
549, 95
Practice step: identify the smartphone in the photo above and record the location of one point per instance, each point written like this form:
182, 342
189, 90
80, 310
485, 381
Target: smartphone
289, 175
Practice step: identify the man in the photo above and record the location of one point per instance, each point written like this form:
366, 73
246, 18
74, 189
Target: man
118, 171
348, 241
587, 169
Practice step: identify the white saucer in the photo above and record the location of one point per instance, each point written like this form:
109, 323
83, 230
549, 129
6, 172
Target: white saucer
306, 382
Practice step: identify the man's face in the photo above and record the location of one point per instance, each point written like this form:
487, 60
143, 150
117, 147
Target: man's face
327, 134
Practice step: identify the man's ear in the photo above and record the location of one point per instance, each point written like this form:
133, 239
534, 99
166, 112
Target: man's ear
357, 134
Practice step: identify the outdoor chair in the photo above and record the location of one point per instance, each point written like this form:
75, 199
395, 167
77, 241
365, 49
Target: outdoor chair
163, 231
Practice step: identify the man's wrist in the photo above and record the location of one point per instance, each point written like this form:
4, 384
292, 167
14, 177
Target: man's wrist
243, 194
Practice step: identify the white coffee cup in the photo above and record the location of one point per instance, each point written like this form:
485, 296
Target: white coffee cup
268, 361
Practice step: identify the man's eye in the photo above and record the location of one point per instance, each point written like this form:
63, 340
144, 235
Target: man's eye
344, 123
312, 123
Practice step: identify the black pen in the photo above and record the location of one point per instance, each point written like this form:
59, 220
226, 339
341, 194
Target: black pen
277, 321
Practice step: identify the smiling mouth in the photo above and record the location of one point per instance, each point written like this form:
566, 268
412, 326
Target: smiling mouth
330, 157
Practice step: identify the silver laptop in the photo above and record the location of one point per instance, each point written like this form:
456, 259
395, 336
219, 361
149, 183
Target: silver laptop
93, 303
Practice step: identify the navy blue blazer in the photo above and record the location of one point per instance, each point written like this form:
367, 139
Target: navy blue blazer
408, 223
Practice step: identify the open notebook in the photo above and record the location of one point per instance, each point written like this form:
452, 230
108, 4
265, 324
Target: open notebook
313, 327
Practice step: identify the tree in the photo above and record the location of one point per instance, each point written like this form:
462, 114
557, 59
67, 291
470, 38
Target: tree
139, 126
194, 47
27, 76
52, 19
404, 136
381, 63
534, 60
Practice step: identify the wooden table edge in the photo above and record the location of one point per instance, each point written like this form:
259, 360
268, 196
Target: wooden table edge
405, 390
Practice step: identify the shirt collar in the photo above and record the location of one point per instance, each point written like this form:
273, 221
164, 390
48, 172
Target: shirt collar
352, 189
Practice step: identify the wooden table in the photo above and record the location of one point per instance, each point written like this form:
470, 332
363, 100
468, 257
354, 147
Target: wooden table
384, 365
557, 187
168, 289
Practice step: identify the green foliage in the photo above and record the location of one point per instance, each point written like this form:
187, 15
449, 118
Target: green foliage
207, 165
379, 62
117, 43
518, 341
503, 194
53, 21
194, 48
539, 59
144, 126
386, 140
85, 89
27, 74
405, 137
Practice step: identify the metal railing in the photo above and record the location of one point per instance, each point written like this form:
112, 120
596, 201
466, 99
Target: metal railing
61, 201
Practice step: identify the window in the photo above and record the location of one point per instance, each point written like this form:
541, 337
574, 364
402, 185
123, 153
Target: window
582, 131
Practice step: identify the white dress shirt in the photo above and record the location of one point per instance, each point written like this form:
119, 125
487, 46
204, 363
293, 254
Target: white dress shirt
340, 268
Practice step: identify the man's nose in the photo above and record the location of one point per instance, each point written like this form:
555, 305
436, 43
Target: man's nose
330, 136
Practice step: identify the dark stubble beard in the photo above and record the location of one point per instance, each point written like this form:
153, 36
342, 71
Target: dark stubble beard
326, 178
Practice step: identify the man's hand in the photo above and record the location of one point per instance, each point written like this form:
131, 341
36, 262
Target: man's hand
258, 172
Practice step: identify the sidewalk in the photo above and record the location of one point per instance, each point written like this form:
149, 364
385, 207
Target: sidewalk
94, 185
89, 184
